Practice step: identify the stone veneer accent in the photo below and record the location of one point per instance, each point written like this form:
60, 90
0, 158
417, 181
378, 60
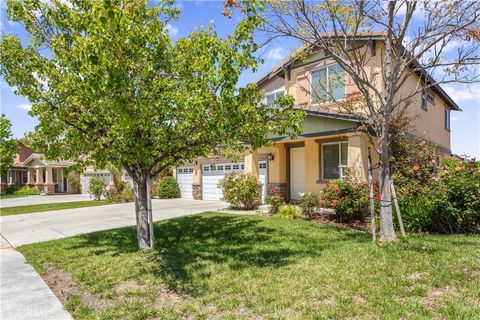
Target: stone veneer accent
48, 188
197, 191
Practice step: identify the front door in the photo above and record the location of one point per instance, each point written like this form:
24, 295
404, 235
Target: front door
297, 172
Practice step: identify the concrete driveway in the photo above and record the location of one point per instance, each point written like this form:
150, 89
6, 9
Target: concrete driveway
37, 227
28, 200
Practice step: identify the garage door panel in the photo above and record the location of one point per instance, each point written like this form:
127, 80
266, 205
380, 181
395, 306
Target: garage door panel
185, 181
211, 176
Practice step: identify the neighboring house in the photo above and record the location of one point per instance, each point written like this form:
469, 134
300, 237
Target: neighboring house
330, 142
30, 169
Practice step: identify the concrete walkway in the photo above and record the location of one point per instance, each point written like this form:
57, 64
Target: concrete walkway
24, 294
42, 226
29, 200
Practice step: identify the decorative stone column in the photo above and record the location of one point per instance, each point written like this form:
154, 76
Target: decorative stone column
48, 186
197, 181
39, 180
10, 174
30, 182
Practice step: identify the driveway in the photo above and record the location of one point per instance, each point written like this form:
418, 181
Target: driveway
37, 227
28, 200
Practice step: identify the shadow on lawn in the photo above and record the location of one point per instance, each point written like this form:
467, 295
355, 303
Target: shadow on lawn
184, 247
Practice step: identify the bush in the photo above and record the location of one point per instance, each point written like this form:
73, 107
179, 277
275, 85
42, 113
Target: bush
290, 211
450, 205
96, 187
275, 201
74, 182
11, 189
120, 191
168, 188
349, 198
27, 191
309, 202
240, 190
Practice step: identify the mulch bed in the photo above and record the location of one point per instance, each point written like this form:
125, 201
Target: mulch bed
331, 219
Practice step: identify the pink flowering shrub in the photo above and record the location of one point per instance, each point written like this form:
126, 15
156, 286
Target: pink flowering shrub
275, 201
349, 198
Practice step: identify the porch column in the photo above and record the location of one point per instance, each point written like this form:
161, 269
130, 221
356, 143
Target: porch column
29, 177
39, 179
197, 181
251, 166
10, 174
48, 187
277, 170
60, 179
358, 156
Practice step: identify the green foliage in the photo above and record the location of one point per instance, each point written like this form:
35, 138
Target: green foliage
115, 82
275, 201
308, 203
120, 190
240, 190
8, 146
349, 198
74, 182
414, 163
96, 187
290, 211
27, 191
450, 205
168, 188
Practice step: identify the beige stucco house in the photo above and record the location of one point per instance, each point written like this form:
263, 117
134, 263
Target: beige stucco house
330, 141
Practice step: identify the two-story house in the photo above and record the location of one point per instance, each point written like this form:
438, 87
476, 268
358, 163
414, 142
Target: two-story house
330, 141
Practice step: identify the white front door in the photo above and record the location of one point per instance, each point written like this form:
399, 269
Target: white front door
211, 176
297, 172
185, 180
262, 177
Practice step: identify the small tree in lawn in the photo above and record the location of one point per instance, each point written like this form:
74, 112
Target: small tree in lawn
348, 31
8, 146
113, 87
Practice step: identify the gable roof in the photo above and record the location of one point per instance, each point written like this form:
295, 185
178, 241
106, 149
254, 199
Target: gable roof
380, 36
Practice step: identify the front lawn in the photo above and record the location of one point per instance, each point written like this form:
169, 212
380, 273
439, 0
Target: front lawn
49, 207
251, 267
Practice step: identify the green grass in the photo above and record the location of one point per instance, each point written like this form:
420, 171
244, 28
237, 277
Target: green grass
11, 196
252, 267
49, 207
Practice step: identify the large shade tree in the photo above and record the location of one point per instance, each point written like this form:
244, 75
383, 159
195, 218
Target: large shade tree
108, 84
8, 145
440, 46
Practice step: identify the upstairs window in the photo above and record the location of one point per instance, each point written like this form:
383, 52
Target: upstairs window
328, 84
272, 97
427, 97
447, 119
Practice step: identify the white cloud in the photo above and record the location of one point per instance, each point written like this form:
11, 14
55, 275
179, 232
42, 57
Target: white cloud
276, 54
464, 93
455, 118
25, 106
172, 30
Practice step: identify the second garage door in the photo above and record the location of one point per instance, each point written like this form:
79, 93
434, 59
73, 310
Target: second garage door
213, 173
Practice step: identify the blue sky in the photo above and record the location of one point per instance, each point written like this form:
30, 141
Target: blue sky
465, 125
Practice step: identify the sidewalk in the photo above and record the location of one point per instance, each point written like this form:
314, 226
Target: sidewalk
24, 294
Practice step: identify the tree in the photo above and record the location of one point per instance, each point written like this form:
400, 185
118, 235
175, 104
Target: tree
113, 87
8, 146
350, 31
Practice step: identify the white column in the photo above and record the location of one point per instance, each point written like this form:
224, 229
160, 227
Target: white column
39, 176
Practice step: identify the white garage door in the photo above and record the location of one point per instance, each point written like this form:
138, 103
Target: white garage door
185, 180
85, 180
211, 176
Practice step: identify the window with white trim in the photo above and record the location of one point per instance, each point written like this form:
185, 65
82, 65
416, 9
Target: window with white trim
328, 84
334, 159
272, 97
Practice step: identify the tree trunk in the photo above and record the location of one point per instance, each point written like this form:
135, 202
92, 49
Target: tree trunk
141, 208
387, 231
